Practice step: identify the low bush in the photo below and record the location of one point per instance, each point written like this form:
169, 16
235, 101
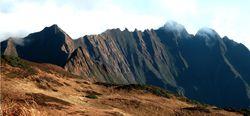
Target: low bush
199, 109
18, 62
14, 61
245, 112
91, 96
151, 89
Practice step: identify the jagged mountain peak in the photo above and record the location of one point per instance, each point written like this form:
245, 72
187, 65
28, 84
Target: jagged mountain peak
136, 30
53, 29
208, 32
226, 39
232, 43
126, 29
175, 29
54, 26
173, 26
51, 45
209, 36
113, 30
8, 47
47, 34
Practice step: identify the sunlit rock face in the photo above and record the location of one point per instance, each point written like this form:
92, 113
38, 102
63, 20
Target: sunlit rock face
204, 66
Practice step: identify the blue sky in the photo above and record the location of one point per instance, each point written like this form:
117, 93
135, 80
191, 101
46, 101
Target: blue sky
80, 17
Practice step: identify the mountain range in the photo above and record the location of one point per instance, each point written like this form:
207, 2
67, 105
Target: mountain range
204, 67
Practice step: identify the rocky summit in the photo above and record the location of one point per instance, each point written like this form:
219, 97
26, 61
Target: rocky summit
205, 67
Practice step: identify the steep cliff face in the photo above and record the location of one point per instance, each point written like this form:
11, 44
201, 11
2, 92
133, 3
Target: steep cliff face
203, 66
130, 57
8, 47
210, 74
81, 63
238, 55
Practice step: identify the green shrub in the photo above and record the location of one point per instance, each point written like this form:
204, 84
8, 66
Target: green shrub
147, 88
15, 61
18, 62
12, 75
197, 108
245, 112
91, 96
200, 104
159, 92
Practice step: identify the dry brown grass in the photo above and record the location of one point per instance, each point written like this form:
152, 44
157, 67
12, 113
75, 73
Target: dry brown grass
12, 108
53, 91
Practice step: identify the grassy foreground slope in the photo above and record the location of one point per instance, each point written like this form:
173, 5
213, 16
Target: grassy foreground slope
32, 89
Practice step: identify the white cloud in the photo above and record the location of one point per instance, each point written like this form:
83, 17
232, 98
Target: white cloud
180, 7
30, 17
79, 17
232, 22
